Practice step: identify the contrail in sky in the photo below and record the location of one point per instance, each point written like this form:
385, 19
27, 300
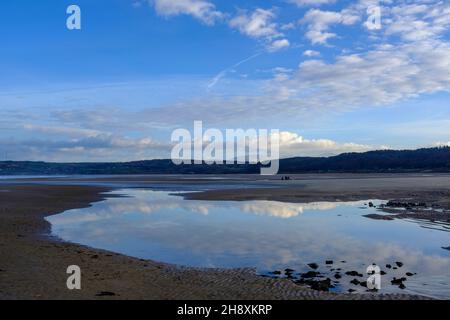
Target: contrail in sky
223, 73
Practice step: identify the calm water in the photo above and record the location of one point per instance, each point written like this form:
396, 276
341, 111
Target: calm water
268, 235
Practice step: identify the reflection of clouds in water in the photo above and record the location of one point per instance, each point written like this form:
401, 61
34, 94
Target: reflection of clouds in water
225, 234
268, 249
148, 202
142, 202
283, 210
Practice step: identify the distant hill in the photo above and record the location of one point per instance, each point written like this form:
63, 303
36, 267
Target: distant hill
421, 160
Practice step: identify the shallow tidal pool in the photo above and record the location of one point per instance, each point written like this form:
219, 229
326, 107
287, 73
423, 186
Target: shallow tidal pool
267, 235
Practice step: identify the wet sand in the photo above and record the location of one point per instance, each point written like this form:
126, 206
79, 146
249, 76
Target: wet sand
434, 188
33, 265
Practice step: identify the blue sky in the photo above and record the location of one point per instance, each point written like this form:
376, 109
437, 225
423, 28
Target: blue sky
138, 69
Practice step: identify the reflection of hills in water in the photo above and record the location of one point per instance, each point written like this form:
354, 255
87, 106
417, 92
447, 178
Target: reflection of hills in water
268, 235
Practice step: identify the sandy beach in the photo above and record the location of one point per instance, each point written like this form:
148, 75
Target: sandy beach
33, 264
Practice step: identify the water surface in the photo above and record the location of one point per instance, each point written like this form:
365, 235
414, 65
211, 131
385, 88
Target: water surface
267, 235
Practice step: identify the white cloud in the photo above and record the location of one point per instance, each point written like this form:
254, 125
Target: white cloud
278, 44
203, 10
63, 131
292, 144
257, 24
73, 144
441, 144
50, 143
287, 26
311, 53
311, 2
379, 77
319, 22
416, 22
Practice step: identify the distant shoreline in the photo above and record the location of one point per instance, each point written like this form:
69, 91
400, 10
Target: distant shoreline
381, 161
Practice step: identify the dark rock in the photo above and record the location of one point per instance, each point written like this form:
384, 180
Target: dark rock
320, 285
398, 281
446, 248
329, 262
382, 272
408, 205
371, 204
402, 286
276, 272
409, 274
313, 265
399, 264
354, 274
355, 282
363, 284
378, 216
351, 290
337, 275
388, 266
95, 256
105, 294
310, 274
287, 270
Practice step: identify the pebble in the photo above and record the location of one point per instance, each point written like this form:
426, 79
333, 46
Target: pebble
354, 273
105, 293
313, 265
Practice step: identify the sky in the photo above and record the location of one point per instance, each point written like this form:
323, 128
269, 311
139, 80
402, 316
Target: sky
319, 71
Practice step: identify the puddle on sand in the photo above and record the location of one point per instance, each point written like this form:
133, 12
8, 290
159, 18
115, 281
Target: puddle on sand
268, 235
